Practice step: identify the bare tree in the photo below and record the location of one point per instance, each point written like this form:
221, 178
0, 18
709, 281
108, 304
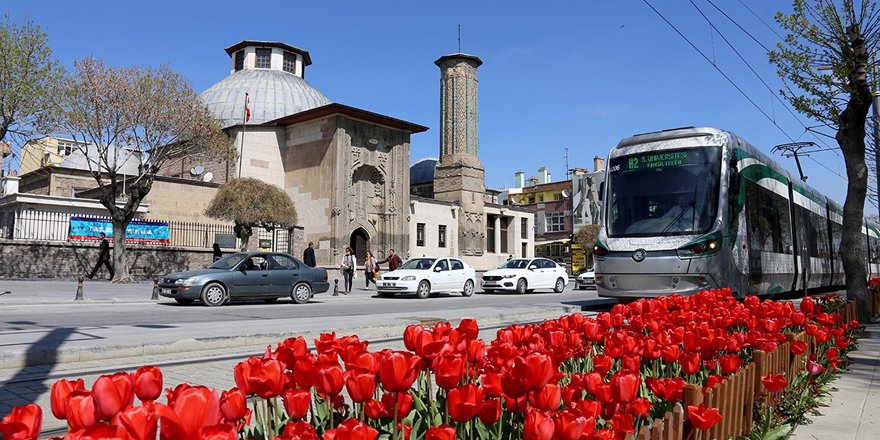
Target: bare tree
140, 115
251, 203
28, 77
826, 56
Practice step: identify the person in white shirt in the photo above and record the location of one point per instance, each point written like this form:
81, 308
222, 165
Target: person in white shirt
349, 262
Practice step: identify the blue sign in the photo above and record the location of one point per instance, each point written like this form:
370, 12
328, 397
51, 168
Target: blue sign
138, 231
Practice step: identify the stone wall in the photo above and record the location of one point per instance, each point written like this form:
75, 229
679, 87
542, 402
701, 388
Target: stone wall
42, 259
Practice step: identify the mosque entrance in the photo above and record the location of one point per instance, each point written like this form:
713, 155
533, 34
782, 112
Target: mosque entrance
359, 242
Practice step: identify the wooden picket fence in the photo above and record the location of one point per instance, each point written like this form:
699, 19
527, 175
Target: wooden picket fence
850, 311
874, 303
670, 427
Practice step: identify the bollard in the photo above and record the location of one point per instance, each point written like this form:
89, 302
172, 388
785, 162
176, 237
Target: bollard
155, 296
336, 287
79, 290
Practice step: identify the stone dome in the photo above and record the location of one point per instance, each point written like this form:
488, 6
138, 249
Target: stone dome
273, 94
423, 171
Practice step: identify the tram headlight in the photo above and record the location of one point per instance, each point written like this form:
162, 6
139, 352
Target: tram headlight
704, 246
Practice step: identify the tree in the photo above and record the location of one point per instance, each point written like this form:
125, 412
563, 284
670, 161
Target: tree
131, 115
826, 56
28, 78
585, 237
251, 203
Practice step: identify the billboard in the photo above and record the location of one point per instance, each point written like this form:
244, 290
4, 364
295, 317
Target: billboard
138, 231
585, 200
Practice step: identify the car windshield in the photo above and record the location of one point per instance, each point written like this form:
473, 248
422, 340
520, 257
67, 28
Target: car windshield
228, 262
662, 193
419, 263
515, 264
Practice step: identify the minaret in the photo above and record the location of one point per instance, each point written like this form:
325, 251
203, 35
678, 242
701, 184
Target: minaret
460, 177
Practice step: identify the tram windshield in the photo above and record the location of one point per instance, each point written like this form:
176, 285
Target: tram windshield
662, 193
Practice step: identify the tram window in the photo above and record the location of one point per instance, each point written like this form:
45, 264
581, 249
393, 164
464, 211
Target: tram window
819, 236
768, 217
836, 236
875, 250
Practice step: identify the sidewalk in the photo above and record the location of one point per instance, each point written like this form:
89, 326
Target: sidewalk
854, 413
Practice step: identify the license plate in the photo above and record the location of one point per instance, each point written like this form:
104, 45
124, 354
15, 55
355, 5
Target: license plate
164, 290
390, 284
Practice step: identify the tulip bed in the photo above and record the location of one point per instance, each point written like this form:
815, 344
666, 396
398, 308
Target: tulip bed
571, 378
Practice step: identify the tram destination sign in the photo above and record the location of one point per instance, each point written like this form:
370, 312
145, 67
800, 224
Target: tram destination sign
655, 160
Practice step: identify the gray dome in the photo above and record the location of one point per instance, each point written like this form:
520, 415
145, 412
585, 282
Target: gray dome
423, 171
273, 94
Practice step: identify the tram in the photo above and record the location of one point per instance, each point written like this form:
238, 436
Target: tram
690, 209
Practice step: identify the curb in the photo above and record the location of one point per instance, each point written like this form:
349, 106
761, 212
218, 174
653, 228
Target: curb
57, 356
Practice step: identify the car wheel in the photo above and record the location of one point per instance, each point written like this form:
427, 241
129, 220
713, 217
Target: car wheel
213, 295
184, 301
301, 293
560, 285
270, 300
521, 286
424, 289
468, 288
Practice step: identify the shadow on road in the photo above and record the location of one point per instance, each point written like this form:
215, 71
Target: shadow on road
597, 305
40, 358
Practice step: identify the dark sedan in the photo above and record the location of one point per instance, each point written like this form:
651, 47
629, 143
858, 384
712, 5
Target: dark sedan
260, 275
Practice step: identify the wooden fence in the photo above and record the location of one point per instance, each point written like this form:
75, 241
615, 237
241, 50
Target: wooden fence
670, 427
874, 303
850, 312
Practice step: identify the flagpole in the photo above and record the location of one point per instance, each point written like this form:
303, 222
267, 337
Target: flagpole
244, 119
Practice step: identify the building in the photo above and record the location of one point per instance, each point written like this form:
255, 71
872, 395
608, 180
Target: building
451, 211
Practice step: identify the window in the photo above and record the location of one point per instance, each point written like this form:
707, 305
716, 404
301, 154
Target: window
420, 234
65, 148
457, 265
505, 221
557, 197
239, 60
556, 222
547, 264
524, 228
441, 236
490, 234
264, 57
443, 264
539, 198
290, 62
768, 220
282, 262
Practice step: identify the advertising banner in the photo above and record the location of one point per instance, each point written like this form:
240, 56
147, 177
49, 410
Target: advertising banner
138, 231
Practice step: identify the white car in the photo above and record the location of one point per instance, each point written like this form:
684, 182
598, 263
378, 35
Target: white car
586, 280
525, 275
429, 276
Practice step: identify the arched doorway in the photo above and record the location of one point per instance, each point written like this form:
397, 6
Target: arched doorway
359, 243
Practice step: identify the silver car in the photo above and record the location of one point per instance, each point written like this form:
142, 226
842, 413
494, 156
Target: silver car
261, 275
586, 280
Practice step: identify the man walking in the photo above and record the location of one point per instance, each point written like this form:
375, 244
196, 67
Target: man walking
103, 257
309, 255
393, 261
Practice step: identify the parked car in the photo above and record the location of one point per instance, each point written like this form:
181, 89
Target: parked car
586, 280
262, 275
525, 275
429, 276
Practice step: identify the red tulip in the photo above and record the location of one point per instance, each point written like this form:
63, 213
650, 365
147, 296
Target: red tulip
469, 329
261, 376
670, 390
148, 383
601, 364
328, 379
774, 382
539, 370
351, 429
640, 407
449, 370
798, 347
491, 384
807, 305
814, 367
222, 431
404, 404
623, 422
538, 426
399, 370
101, 431
296, 402
298, 430
60, 391
23, 423
80, 409
442, 432
625, 387
670, 353
569, 425
112, 393
233, 404
490, 411
194, 408
702, 417
375, 410
690, 362
291, 349
548, 398
729, 363
464, 402
361, 386
138, 422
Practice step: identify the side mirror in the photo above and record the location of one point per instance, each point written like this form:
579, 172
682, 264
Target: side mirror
533, 267
438, 269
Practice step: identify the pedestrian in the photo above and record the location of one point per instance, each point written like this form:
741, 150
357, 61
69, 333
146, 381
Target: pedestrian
347, 268
218, 254
103, 257
393, 261
371, 269
509, 257
309, 255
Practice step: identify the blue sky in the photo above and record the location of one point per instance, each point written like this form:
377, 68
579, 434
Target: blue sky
576, 74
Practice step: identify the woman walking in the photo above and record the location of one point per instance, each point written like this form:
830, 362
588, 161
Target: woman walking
347, 268
371, 269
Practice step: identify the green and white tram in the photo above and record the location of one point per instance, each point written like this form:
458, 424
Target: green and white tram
690, 209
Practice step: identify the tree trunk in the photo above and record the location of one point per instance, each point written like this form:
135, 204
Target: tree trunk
120, 256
